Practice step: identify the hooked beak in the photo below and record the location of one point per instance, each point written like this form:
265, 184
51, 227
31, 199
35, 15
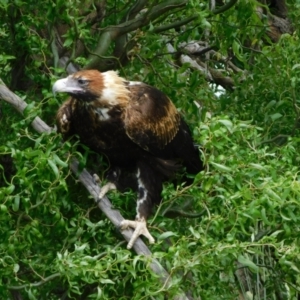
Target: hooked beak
66, 85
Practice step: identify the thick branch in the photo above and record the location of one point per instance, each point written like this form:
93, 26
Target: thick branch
111, 33
87, 180
185, 59
191, 53
122, 47
135, 9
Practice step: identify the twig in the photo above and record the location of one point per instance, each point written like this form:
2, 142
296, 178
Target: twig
94, 189
175, 24
225, 7
111, 33
39, 283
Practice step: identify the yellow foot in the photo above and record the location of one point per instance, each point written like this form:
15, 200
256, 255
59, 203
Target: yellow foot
140, 229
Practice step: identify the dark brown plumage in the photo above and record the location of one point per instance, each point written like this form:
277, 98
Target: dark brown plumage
138, 129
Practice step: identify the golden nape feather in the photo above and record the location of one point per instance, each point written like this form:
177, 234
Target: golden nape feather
136, 127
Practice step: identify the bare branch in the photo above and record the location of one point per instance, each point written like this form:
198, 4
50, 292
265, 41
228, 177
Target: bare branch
192, 52
219, 78
38, 124
192, 63
195, 65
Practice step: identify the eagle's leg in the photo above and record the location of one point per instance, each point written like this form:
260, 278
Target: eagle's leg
149, 187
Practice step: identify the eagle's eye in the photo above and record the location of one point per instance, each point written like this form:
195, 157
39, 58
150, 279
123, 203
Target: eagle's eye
81, 81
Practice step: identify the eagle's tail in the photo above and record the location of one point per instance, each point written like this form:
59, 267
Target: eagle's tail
166, 167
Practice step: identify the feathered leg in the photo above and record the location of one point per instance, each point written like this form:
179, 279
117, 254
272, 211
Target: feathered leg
149, 190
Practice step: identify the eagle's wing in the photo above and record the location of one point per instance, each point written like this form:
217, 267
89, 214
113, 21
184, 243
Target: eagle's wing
151, 119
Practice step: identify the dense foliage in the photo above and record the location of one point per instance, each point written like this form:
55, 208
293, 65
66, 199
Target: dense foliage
233, 234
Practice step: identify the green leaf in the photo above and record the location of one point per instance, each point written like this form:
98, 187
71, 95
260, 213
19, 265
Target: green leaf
236, 47
227, 123
59, 162
195, 233
16, 268
3, 208
273, 195
258, 166
28, 109
166, 235
276, 116
99, 293
248, 263
264, 217
16, 203
135, 260
54, 168
221, 167
151, 27
107, 281
296, 66
9, 189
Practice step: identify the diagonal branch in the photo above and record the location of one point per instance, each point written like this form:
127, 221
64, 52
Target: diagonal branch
94, 189
38, 124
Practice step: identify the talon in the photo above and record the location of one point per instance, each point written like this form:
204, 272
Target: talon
140, 229
96, 179
107, 187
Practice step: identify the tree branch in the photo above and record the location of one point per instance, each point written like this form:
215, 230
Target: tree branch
94, 189
38, 124
111, 33
225, 7
175, 24
190, 53
23, 286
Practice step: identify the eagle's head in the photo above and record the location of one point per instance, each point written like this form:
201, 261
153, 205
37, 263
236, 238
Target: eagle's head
106, 89
83, 85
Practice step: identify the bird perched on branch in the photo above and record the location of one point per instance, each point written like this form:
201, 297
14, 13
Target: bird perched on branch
136, 127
